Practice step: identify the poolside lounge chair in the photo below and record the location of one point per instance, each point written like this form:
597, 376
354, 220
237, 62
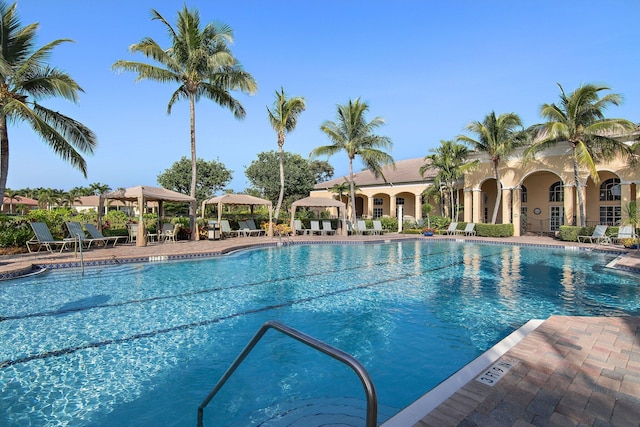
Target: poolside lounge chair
43, 238
362, 227
253, 230
326, 227
598, 236
169, 232
469, 230
624, 232
452, 228
377, 227
225, 229
133, 232
315, 228
75, 230
350, 229
298, 228
96, 234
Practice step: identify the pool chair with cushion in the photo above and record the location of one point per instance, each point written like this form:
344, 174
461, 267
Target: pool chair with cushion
44, 239
315, 228
469, 230
75, 230
326, 227
624, 232
96, 234
598, 236
452, 228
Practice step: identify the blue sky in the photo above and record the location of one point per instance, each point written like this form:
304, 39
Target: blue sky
427, 67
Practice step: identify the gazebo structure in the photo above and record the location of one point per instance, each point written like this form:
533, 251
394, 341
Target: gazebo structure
322, 202
239, 199
143, 194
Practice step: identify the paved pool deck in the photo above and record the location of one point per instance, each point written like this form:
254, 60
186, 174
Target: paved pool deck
560, 371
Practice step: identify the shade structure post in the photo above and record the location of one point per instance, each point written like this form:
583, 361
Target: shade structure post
100, 211
141, 238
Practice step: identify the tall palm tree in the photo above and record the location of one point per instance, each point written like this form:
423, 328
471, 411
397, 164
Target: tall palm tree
200, 62
283, 119
579, 120
497, 136
450, 162
354, 135
25, 80
97, 189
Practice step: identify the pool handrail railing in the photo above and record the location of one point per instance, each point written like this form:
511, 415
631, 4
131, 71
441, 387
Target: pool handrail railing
336, 353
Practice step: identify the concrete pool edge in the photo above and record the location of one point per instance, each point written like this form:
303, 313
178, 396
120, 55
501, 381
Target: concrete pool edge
413, 413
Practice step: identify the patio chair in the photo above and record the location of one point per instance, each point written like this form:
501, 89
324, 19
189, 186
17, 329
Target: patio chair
377, 227
469, 230
169, 232
43, 238
350, 228
253, 230
452, 228
226, 231
315, 228
326, 227
361, 225
298, 228
75, 230
96, 234
624, 232
598, 236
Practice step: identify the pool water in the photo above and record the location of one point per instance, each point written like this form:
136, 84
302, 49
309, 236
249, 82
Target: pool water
143, 344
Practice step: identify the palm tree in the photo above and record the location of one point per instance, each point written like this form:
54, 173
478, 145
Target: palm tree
449, 160
283, 119
97, 189
579, 120
12, 195
497, 136
354, 135
200, 62
25, 80
340, 189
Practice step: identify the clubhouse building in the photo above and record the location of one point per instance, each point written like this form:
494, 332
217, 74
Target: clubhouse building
537, 196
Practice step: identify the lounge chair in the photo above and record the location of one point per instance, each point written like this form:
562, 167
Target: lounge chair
298, 228
226, 231
469, 230
598, 236
362, 227
169, 232
377, 227
624, 232
43, 238
315, 228
75, 230
326, 227
133, 232
96, 234
253, 230
452, 228
350, 229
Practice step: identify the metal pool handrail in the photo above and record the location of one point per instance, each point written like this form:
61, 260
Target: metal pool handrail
341, 356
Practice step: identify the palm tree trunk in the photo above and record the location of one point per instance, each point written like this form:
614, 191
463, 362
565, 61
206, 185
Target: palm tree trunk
4, 154
498, 195
193, 205
352, 190
576, 178
281, 196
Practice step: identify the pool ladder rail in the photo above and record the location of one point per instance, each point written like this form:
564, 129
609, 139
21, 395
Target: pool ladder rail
339, 355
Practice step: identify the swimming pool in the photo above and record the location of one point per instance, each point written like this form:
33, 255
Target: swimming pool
143, 344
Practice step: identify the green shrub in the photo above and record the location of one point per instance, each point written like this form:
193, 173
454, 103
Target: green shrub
389, 223
14, 232
570, 233
492, 230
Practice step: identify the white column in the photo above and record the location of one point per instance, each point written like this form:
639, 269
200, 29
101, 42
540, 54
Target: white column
477, 205
516, 200
418, 208
468, 205
506, 205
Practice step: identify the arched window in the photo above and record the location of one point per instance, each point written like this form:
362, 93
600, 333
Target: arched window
556, 192
610, 190
523, 194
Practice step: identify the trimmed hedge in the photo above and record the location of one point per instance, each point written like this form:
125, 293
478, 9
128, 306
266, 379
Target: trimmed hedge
492, 230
